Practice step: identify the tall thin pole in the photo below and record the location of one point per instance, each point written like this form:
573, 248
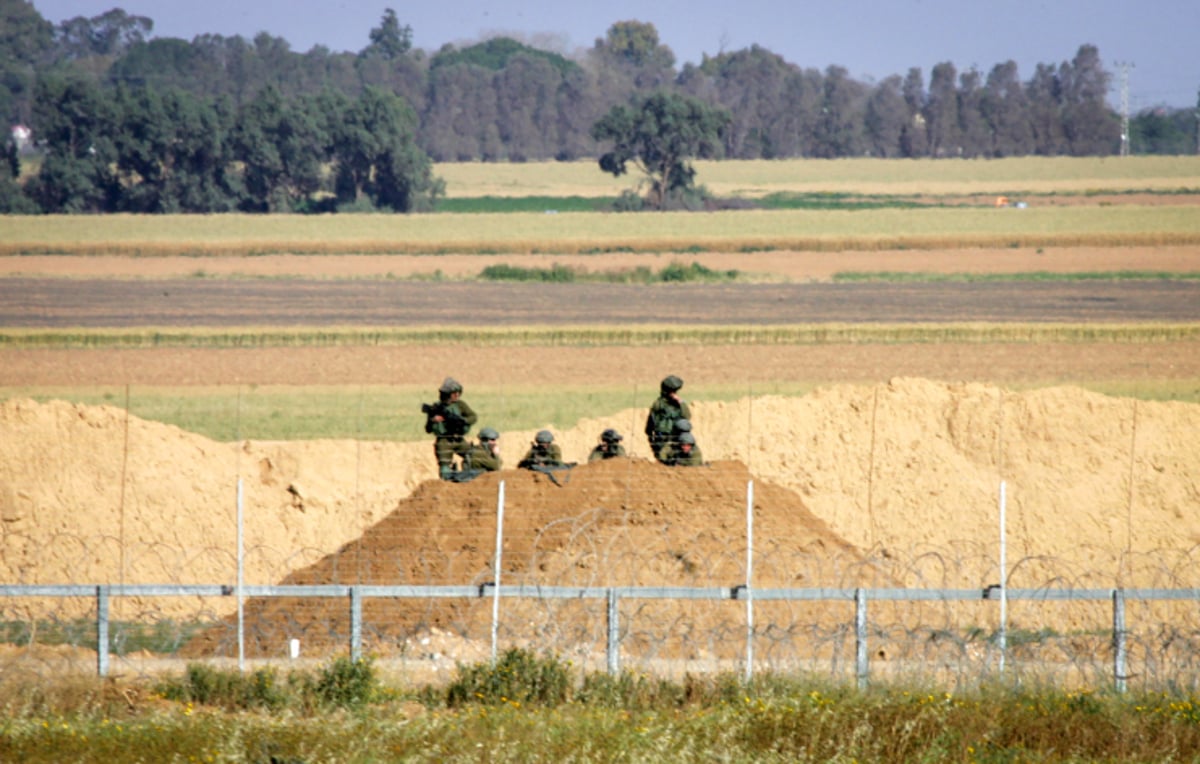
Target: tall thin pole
496, 583
1002, 636
241, 580
749, 577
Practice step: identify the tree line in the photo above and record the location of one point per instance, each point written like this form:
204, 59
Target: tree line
126, 121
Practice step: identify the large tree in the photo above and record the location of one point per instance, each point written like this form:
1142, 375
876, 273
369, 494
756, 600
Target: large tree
661, 133
376, 155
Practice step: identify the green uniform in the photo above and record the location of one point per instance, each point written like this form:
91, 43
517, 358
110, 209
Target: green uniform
606, 451
542, 455
450, 434
479, 457
660, 424
675, 456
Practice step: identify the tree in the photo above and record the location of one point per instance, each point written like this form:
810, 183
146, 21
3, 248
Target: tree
886, 117
660, 133
633, 47
1005, 108
1045, 111
283, 145
25, 38
376, 154
389, 40
753, 85
1090, 126
973, 131
75, 122
941, 111
839, 129
914, 139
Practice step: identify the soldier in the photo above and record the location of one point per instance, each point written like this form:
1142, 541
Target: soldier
449, 420
684, 453
483, 456
608, 447
543, 452
668, 409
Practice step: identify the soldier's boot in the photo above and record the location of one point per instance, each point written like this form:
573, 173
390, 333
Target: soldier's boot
446, 471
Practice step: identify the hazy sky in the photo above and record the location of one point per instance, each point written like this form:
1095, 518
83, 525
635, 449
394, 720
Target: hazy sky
871, 38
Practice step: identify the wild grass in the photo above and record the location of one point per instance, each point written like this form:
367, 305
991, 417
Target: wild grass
676, 272
538, 708
592, 232
592, 336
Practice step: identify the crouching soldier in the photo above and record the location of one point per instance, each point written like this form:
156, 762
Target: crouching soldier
684, 452
543, 452
608, 447
483, 456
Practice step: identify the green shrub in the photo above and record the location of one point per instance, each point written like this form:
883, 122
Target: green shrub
209, 686
519, 676
347, 683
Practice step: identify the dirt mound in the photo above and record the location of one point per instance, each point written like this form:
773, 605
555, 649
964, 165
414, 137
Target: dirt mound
623, 522
1101, 491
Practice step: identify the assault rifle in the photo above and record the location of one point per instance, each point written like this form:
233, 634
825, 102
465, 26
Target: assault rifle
452, 422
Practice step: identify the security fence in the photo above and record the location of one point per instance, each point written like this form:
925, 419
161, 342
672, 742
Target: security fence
618, 628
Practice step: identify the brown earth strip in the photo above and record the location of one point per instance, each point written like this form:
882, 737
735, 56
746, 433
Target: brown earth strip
759, 367
63, 303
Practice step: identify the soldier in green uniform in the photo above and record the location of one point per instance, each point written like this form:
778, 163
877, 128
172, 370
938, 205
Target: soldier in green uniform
449, 420
608, 447
485, 455
668, 409
684, 453
543, 452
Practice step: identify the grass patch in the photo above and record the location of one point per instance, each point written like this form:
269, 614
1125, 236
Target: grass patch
380, 413
830, 200
558, 274
594, 336
536, 708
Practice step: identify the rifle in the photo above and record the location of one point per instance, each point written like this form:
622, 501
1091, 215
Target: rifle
452, 423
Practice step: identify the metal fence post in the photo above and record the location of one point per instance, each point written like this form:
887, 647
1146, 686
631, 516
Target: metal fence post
355, 623
860, 637
102, 630
612, 649
1119, 654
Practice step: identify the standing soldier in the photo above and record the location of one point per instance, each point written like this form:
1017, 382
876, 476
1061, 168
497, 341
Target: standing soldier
543, 452
449, 420
668, 409
608, 447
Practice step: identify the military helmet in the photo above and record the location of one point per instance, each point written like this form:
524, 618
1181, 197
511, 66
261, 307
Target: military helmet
671, 384
450, 385
686, 438
544, 436
488, 433
683, 425
610, 436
